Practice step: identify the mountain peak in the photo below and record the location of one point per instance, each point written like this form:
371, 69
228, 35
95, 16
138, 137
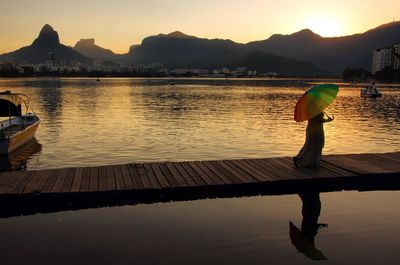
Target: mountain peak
89, 48
306, 32
85, 43
47, 36
177, 35
46, 28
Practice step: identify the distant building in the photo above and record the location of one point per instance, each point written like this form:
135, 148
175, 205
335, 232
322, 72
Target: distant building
381, 58
396, 57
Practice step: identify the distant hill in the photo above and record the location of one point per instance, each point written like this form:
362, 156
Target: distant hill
38, 52
178, 50
88, 48
265, 62
331, 54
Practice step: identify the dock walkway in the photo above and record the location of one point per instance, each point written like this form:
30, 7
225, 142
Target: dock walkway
159, 181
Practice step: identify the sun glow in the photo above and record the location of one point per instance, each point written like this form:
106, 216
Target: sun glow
325, 26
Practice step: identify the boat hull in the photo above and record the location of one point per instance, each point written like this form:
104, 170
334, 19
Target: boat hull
371, 95
17, 140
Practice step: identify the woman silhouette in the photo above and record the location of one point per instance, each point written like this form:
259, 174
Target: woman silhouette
310, 155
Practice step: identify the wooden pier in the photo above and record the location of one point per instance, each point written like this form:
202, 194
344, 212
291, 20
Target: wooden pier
24, 192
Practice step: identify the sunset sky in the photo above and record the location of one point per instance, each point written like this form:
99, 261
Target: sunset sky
120, 23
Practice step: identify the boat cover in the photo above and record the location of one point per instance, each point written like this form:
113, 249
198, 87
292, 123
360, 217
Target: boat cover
10, 104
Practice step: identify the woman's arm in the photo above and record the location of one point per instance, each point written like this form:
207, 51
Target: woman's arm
329, 119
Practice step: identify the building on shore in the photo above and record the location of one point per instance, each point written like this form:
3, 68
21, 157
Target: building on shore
386, 57
381, 58
396, 57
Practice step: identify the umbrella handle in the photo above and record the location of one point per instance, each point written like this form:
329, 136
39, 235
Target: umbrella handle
332, 118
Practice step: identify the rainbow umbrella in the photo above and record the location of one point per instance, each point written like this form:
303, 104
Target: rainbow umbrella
314, 101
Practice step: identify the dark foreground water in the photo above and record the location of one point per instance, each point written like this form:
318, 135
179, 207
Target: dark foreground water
363, 228
88, 123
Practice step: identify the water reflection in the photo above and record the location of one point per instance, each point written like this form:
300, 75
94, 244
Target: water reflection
51, 101
304, 239
18, 159
118, 121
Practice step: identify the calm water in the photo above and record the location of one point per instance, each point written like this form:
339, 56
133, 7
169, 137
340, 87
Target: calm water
123, 120
116, 121
363, 228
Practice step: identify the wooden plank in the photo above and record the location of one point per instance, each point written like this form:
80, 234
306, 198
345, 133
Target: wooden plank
288, 166
152, 177
297, 172
102, 171
193, 174
120, 184
36, 184
21, 185
48, 186
214, 172
251, 169
167, 173
69, 179
188, 179
394, 156
3, 188
267, 169
243, 176
76, 184
180, 181
94, 179
223, 171
203, 175
339, 171
137, 182
215, 178
10, 180
111, 183
256, 170
127, 177
160, 176
143, 176
354, 165
85, 184
61, 175
381, 161
279, 174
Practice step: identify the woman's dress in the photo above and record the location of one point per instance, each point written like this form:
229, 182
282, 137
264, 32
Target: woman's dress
310, 155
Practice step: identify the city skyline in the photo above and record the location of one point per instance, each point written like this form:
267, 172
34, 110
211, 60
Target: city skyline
117, 26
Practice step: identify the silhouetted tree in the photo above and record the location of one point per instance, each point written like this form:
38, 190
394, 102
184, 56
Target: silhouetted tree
350, 74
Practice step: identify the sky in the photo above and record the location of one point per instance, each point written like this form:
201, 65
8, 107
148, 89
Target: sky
118, 24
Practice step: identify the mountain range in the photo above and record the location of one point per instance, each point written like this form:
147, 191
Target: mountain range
300, 53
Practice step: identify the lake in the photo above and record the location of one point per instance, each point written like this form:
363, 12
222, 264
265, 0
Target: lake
115, 121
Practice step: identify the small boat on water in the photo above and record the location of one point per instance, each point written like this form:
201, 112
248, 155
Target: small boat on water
18, 128
371, 91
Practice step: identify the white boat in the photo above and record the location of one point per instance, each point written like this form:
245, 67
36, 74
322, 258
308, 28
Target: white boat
371, 91
18, 128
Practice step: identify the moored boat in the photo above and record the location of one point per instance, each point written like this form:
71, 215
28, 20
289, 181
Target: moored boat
18, 128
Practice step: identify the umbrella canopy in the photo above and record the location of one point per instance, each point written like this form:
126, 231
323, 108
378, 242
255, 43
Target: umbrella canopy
304, 244
314, 101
